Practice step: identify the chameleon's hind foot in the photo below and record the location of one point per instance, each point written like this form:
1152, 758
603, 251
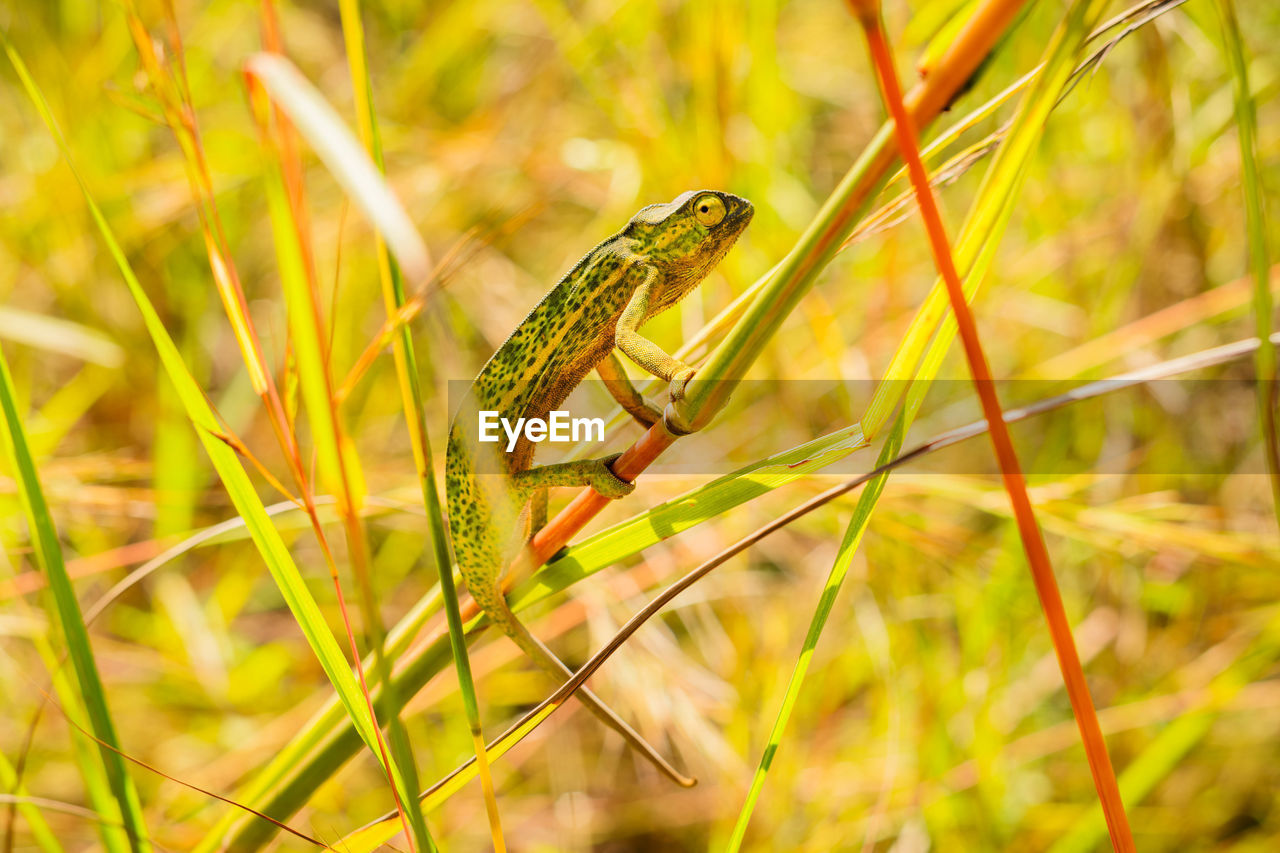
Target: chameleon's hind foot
603, 480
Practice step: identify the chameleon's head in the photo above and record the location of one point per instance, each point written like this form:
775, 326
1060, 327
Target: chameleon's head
687, 237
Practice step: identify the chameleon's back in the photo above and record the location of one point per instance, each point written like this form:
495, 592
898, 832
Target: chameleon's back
561, 340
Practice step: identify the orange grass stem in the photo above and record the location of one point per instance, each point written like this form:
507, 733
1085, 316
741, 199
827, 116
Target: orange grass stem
1104, 779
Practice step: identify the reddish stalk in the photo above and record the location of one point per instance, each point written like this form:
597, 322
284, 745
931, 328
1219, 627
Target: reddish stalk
868, 14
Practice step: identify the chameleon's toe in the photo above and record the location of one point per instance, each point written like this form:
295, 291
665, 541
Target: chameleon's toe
679, 380
608, 483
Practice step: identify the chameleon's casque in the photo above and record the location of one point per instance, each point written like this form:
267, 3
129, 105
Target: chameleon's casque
664, 252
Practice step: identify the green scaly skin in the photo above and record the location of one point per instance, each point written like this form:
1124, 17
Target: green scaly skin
663, 253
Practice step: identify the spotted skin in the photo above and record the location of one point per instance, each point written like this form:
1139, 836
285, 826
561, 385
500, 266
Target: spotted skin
662, 254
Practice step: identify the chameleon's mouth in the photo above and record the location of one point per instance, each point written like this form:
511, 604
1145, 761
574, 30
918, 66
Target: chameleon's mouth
739, 216
729, 230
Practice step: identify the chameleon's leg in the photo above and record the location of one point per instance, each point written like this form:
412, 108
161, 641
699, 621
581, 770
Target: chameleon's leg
494, 604
627, 395
581, 472
640, 349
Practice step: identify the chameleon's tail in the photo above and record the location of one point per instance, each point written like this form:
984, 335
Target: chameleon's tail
494, 603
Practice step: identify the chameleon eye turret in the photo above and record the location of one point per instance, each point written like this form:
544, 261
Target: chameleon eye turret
709, 210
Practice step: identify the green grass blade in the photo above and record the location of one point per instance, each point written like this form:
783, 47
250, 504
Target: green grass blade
361, 177
48, 557
391, 276
831, 588
1246, 116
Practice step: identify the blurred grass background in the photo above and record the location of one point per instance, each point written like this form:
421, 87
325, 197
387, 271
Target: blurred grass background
937, 720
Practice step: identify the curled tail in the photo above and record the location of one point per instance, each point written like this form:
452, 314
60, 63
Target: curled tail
494, 604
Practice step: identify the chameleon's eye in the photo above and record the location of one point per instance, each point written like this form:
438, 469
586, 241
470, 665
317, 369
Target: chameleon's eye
709, 209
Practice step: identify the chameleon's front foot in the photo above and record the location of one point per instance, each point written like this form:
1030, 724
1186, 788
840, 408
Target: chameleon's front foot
679, 381
601, 478
672, 419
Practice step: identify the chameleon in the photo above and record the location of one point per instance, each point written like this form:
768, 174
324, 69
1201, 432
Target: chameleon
597, 307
